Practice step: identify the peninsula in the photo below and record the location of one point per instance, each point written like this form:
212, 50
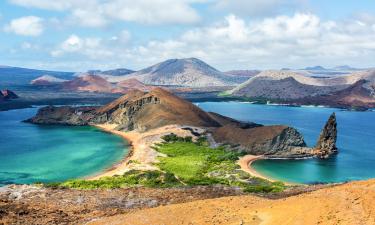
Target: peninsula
145, 118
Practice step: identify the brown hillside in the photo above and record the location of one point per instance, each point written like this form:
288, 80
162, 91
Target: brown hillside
144, 111
348, 204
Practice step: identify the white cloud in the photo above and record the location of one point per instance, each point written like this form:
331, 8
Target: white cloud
97, 13
257, 7
234, 43
152, 11
293, 41
93, 48
26, 26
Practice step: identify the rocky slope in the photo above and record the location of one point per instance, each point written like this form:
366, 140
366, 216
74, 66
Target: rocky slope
354, 90
33, 205
360, 95
189, 72
347, 204
144, 111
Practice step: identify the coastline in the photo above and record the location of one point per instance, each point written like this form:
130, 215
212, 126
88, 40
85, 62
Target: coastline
245, 164
142, 156
138, 157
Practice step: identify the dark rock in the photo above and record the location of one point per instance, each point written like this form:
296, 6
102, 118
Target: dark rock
7, 95
326, 145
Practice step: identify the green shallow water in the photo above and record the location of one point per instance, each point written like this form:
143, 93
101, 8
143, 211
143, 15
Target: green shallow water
34, 153
356, 141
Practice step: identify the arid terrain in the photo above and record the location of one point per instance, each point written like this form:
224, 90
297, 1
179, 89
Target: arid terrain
348, 204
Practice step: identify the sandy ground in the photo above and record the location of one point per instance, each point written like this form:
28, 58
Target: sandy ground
350, 204
142, 156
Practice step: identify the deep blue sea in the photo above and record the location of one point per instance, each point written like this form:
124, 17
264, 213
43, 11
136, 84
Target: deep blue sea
34, 153
356, 141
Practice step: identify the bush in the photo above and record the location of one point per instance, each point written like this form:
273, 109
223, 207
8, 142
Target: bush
170, 138
129, 179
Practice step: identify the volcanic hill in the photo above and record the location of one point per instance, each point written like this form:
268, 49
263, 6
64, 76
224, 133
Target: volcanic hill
142, 112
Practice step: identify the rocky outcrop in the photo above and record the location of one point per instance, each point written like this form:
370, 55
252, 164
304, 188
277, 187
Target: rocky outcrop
64, 115
326, 145
271, 141
7, 95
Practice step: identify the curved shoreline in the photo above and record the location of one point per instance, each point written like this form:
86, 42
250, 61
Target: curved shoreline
245, 164
141, 155
119, 165
140, 151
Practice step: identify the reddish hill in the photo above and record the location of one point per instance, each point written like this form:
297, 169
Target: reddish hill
144, 111
132, 84
90, 83
356, 95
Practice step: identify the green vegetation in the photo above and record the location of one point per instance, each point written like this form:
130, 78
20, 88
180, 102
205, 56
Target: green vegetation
129, 179
198, 164
224, 94
186, 163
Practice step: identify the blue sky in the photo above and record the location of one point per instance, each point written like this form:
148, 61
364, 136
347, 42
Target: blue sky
78, 35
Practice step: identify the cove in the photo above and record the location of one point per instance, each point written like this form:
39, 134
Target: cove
32, 153
356, 141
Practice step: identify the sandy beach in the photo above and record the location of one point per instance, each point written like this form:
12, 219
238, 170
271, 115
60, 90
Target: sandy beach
141, 154
245, 164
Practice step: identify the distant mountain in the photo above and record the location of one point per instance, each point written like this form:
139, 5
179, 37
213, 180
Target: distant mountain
242, 75
22, 76
114, 72
132, 84
359, 95
47, 80
189, 72
315, 68
345, 68
357, 89
89, 83
286, 88
95, 83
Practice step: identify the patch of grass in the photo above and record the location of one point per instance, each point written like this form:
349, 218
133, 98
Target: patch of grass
198, 164
129, 179
224, 94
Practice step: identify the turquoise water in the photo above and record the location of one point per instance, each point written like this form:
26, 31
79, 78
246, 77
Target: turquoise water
33, 153
356, 141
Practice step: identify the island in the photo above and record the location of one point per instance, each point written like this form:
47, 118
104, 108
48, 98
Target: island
144, 118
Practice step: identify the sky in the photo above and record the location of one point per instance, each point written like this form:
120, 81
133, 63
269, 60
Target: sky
79, 35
